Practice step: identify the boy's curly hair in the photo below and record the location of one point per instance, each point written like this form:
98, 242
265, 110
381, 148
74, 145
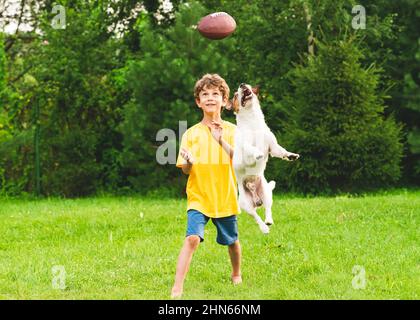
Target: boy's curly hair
212, 80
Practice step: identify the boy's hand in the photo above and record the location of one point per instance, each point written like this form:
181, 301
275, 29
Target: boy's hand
187, 155
216, 130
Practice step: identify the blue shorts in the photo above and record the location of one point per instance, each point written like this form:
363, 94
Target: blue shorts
227, 227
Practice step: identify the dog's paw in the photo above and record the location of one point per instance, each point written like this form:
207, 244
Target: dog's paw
269, 221
264, 229
259, 156
292, 156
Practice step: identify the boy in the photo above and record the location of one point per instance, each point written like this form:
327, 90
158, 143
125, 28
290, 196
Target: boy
206, 156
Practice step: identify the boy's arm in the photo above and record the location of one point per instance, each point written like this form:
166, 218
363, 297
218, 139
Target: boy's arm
217, 133
226, 146
185, 159
187, 156
186, 168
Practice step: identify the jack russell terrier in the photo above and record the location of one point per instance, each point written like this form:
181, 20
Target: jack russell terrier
253, 142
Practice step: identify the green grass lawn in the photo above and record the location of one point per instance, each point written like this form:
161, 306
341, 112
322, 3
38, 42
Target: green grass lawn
127, 247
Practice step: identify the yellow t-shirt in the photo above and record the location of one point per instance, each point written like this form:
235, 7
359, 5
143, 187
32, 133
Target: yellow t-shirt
211, 186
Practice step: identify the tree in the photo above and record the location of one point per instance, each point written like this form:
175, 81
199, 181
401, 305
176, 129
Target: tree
162, 80
335, 121
73, 74
3, 114
399, 56
9, 173
2, 66
78, 102
101, 83
269, 38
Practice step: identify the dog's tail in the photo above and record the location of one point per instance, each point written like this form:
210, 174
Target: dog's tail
272, 184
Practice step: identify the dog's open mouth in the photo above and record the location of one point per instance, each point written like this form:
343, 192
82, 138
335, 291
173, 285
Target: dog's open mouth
246, 95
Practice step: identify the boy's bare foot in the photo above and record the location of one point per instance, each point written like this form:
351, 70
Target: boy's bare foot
236, 279
176, 293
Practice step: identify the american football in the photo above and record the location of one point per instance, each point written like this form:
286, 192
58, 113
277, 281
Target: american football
217, 25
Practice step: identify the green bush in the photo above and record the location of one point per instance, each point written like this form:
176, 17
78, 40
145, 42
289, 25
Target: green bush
80, 106
335, 121
17, 164
162, 82
69, 163
2, 67
4, 134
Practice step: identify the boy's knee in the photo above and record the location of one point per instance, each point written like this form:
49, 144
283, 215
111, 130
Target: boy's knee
235, 245
193, 241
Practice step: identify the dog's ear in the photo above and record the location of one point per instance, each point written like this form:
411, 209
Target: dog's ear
235, 103
256, 90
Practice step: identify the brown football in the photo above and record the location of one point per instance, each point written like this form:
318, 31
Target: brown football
217, 25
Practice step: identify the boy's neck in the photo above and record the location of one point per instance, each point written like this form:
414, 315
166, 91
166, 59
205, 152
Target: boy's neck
208, 118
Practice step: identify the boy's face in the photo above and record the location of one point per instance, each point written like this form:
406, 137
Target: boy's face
210, 100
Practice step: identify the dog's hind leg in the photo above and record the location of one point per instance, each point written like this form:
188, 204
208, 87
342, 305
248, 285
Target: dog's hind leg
267, 198
246, 203
252, 186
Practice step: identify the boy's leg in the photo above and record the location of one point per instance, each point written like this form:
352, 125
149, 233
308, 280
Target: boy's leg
184, 260
227, 234
235, 258
195, 234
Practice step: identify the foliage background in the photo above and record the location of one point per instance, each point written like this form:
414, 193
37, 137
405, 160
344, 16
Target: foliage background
122, 70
